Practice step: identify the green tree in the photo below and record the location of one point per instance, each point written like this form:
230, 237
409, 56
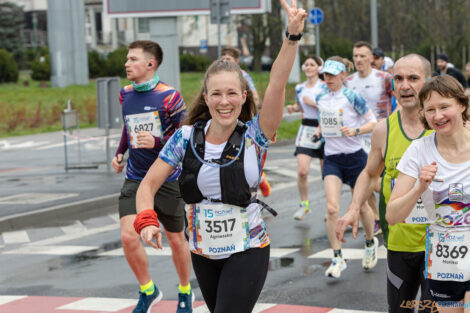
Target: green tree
8, 67
11, 24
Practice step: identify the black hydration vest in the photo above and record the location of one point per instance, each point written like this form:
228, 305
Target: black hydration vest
234, 187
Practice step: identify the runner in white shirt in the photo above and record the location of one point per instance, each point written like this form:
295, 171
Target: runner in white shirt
376, 88
307, 147
342, 115
437, 169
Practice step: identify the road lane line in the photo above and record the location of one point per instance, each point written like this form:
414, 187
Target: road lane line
349, 254
18, 236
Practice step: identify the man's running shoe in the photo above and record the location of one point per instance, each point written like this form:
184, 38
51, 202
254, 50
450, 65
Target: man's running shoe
301, 212
146, 302
370, 255
185, 302
264, 185
377, 229
338, 264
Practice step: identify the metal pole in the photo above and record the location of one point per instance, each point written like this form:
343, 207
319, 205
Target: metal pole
65, 142
373, 23
317, 40
219, 49
107, 125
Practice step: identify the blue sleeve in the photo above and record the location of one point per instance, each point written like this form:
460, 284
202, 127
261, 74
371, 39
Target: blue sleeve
359, 104
175, 148
256, 134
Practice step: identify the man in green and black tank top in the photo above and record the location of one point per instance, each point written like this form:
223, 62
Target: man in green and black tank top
404, 241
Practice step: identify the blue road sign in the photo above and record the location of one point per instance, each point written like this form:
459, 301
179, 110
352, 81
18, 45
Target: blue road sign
315, 16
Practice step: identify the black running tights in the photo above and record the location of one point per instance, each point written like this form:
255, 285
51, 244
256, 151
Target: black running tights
232, 284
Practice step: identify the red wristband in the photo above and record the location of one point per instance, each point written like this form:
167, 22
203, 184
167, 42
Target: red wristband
144, 219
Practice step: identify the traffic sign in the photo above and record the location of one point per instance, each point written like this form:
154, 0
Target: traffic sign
316, 16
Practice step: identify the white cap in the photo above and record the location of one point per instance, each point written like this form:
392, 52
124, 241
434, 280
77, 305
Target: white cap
388, 62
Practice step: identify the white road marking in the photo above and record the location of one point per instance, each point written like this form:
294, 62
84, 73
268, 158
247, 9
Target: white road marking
100, 304
280, 252
351, 311
8, 299
349, 254
74, 228
68, 237
115, 217
51, 250
10, 145
19, 236
35, 198
293, 184
166, 251
260, 307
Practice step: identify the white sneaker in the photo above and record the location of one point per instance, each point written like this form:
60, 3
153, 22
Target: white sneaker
370, 255
301, 212
338, 264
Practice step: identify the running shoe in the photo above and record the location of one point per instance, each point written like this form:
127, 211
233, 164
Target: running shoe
377, 229
370, 255
301, 212
338, 264
185, 302
146, 302
264, 185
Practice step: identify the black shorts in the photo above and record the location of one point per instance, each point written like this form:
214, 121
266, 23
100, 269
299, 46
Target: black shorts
314, 153
345, 166
405, 275
444, 291
167, 203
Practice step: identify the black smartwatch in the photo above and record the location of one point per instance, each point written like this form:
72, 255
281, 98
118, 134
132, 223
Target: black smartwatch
293, 37
358, 131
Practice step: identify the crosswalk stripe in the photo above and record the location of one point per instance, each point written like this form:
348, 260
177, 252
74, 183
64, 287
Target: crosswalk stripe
18, 236
350, 311
260, 307
99, 304
8, 299
349, 254
74, 228
51, 250
281, 252
82, 234
293, 184
114, 217
166, 251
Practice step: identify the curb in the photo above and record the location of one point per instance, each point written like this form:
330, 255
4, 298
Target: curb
75, 210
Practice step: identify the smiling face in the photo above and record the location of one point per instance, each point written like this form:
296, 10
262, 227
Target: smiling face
310, 68
224, 98
138, 66
408, 79
443, 114
362, 57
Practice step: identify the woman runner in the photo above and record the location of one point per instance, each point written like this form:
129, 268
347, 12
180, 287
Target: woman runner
221, 150
344, 116
307, 145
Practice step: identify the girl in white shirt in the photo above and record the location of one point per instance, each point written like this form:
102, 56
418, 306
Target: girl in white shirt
342, 116
437, 169
307, 146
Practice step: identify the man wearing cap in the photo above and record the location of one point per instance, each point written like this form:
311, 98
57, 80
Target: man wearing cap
444, 68
378, 60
